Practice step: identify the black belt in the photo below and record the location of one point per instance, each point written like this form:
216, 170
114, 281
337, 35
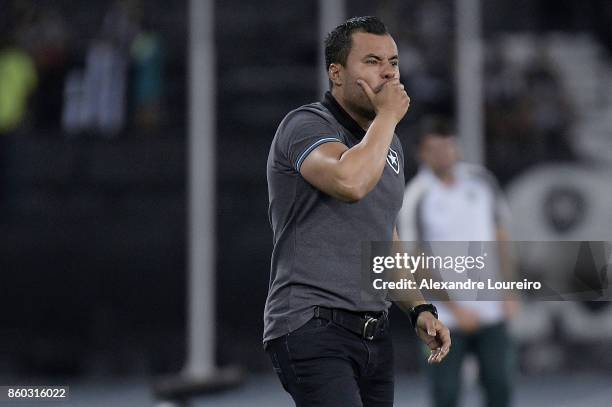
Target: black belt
366, 324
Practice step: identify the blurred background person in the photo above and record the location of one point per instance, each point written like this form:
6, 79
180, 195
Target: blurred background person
449, 200
18, 80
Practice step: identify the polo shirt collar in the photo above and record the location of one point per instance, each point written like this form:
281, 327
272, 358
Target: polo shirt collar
342, 116
459, 172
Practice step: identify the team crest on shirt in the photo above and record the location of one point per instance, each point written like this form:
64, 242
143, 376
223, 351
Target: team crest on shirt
393, 160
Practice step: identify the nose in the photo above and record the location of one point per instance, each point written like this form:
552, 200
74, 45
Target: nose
389, 72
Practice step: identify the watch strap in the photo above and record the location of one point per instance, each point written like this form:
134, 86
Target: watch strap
416, 311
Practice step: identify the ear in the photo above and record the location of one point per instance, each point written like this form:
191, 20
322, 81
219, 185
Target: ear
334, 74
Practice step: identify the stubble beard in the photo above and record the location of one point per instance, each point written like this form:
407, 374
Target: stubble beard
360, 104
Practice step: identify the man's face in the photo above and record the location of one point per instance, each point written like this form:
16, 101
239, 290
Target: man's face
439, 153
373, 59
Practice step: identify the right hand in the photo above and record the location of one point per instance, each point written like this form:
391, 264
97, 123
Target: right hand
468, 321
390, 99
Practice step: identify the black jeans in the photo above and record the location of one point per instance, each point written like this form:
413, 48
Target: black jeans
323, 364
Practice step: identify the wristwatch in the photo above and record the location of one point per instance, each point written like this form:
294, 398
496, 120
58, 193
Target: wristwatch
416, 311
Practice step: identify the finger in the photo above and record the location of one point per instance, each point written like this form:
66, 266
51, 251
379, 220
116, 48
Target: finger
443, 351
366, 88
442, 355
430, 324
392, 82
433, 343
445, 338
433, 356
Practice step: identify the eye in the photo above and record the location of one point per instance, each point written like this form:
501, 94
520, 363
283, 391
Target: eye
371, 61
395, 63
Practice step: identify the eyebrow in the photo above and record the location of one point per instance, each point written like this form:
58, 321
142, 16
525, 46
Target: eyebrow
379, 58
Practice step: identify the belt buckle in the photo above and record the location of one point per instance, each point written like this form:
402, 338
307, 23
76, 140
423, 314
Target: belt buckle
370, 323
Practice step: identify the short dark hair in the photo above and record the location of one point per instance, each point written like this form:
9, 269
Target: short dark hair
441, 126
338, 42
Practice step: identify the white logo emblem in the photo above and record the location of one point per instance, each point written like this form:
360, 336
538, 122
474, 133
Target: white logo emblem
393, 160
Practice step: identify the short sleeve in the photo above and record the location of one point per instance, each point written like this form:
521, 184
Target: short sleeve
303, 131
501, 210
400, 152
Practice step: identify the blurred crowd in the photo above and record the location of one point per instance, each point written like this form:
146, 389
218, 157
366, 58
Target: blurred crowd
527, 113
56, 73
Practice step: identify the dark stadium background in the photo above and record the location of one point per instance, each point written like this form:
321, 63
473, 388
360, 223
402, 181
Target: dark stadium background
93, 224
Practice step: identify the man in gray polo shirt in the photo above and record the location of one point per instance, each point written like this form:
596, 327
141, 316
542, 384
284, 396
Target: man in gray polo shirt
335, 179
